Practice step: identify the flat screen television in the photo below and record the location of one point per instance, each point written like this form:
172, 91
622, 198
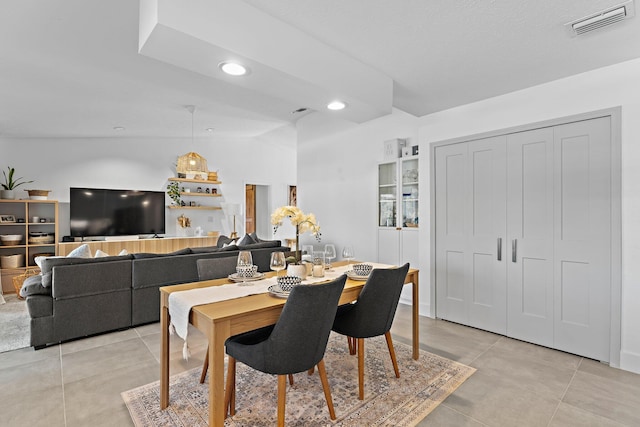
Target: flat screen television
103, 212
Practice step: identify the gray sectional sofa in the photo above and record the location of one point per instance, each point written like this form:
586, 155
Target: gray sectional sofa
78, 297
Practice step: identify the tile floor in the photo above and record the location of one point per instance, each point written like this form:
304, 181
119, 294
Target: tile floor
517, 384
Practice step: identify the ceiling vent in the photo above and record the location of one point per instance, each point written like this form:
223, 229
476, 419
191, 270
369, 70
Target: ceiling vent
601, 19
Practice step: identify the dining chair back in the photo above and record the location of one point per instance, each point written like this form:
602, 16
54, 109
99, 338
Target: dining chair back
296, 343
372, 314
216, 268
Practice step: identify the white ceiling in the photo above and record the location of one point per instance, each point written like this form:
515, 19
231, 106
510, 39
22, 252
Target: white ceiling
79, 68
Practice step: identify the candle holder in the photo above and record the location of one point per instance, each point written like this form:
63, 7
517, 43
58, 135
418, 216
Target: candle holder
318, 264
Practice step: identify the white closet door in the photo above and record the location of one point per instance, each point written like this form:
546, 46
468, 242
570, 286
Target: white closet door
452, 293
530, 236
582, 237
486, 257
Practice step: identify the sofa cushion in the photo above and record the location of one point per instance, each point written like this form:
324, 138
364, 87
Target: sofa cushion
33, 286
205, 249
265, 244
50, 262
143, 255
229, 248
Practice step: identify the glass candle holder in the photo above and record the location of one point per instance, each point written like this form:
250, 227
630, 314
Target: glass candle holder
318, 264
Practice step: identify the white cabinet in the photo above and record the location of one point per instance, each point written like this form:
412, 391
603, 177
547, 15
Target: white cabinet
398, 211
523, 235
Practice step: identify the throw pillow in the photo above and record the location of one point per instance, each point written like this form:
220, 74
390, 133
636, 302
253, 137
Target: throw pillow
123, 252
222, 240
82, 251
100, 254
246, 240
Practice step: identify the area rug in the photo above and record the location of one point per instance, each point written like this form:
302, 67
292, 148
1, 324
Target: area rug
389, 401
14, 324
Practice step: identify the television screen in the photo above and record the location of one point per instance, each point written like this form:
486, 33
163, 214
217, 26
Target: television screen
102, 212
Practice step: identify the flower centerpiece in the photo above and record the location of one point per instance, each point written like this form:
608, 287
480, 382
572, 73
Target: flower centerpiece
303, 223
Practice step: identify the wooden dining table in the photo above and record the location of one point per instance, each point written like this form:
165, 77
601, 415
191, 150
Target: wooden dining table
222, 319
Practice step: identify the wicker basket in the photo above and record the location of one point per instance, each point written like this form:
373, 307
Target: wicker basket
18, 280
12, 261
41, 240
38, 194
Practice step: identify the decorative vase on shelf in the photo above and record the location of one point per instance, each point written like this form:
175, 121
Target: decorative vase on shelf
7, 194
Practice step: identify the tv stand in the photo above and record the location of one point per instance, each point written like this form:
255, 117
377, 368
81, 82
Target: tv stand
159, 246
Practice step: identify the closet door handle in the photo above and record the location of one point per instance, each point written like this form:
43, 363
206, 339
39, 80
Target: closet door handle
514, 250
499, 248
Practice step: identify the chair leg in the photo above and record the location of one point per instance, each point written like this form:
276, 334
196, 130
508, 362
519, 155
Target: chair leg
282, 396
392, 353
205, 366
352, 345
230, 389
311, 371
290, 379
360, 345
325, 386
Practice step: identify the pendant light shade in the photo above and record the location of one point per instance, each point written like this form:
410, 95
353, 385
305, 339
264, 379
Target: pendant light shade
192, 163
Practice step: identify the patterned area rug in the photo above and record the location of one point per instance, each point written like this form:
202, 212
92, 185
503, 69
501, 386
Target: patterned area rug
391, 401
14, 324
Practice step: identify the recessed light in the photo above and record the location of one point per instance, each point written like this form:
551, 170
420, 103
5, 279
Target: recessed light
299, 110
233, 68
118, 128
336, 105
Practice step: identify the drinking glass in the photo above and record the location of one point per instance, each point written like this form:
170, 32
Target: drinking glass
244, 260
348, 254
329, 253
277, 262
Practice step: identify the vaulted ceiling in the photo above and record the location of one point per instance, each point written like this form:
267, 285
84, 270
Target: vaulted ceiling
80, 68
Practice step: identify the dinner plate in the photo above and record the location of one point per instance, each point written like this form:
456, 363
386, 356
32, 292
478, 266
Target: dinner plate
236, 278
353, 276
275, 291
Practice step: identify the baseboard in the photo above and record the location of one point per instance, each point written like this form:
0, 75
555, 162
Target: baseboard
630, 361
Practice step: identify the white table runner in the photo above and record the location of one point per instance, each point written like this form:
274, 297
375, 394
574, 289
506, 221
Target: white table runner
181, 302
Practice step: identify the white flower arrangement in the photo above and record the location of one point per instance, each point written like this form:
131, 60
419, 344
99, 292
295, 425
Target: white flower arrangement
303, 223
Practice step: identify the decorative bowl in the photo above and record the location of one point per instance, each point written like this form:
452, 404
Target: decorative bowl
11, 239
246, 270
287, 283
362, 269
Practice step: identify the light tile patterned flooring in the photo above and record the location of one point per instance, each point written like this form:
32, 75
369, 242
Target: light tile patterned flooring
516, 384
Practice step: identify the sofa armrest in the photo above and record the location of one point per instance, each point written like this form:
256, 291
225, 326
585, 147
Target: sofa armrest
33, 286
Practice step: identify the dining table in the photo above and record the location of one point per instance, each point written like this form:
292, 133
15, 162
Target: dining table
223, 319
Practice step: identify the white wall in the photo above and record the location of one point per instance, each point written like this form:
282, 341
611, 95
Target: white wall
145, 164
337, 181
613, 86
337, 172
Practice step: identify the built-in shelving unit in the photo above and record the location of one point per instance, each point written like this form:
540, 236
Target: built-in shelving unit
200, 193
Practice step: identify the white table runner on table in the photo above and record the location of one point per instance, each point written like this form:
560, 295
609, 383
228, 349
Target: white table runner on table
181, 302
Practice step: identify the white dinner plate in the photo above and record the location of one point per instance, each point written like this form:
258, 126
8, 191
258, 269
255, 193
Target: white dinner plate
352, 275
236, 278
275, 291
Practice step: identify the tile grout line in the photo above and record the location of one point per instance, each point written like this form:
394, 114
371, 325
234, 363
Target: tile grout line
64, 401
564, 393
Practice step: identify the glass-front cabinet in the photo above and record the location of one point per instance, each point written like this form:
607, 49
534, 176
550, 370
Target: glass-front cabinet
387, 194
398, 195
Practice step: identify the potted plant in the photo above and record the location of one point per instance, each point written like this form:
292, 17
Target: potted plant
303, 223
10, 184
173, 190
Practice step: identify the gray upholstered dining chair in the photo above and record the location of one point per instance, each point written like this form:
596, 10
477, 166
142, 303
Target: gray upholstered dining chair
372, 315
214, 268
296, 343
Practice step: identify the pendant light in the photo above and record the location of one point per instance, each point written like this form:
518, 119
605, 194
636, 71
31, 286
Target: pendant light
192, 163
